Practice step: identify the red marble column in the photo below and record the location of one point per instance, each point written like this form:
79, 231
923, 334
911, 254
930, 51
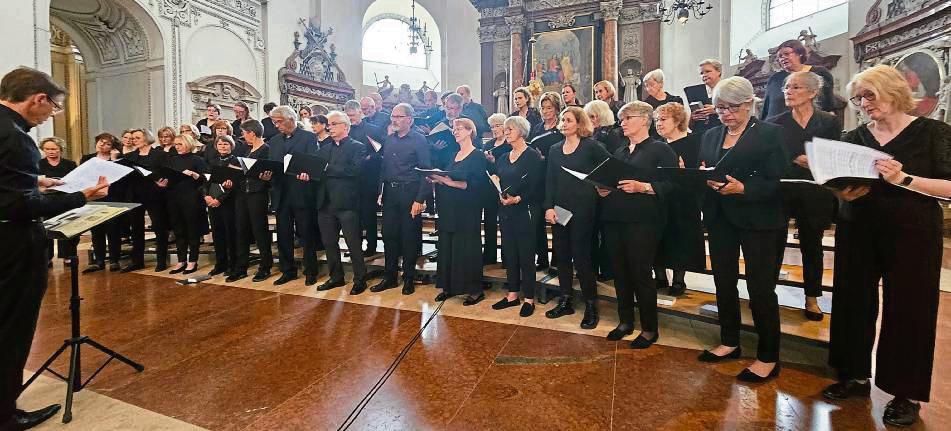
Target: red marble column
610, 10
517, 54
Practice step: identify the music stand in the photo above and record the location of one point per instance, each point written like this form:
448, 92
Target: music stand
70, 225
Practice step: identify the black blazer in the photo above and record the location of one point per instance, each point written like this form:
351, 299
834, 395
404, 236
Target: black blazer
339, 187
757, 160
287, 190
623, 207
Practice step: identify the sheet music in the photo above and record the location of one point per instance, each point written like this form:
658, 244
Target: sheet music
79, 220
796, 180
439, 128
145, 172
830, 159
287, 161
247, 162
562, 215
376, 145
433, 171
204, 130
87, 175
576, 174
495, 182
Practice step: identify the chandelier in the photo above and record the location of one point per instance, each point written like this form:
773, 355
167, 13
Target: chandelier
681, 10
417, 35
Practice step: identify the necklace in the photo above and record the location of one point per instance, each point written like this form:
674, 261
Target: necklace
728, 132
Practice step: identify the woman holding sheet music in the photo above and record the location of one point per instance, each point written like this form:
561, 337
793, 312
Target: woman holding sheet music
812, 206
888, 232
496, 146
742, 209
146, 191
251, 209
564, 195
542, 137
459, 268
519, 173
634, 214
184, 199
219, 198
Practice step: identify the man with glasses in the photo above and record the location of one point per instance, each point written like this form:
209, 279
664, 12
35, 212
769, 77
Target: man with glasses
404, 194
28, 98
338, 202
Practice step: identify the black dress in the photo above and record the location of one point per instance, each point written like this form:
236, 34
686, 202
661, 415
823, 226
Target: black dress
812, 206
893, 235
683, 247
186, 207
521, 178
459, 268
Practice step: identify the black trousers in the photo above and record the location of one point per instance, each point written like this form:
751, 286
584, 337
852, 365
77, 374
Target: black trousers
402, 234
331, 222
812, 208
158, 214
759, 252
22, 286
572, 248
518, 249
490, 226
224, 231
369, 193
304, 222
186, 211
633, 247
541, 240
251, 211
908, 263
64, 248
100, 234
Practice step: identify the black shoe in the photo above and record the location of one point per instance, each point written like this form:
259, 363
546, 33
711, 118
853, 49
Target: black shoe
22, 420
408, 287
473, 300
285, 277
190, 271
385, 284
177, 270
590, 319
901, 412
708, 356
132, 267
527, 309
622, 330
642, 343
563, 308
115, 267
235, 277
553, 270
358, 287
750, 377
93, 268
215, 271
443, 296
161, 267
261, 276
812, 315
677, 288
330, 284
505, 303
310, 280
847, 389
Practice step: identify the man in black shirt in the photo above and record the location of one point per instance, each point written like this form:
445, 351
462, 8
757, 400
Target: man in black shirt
28, 98
269, 129
293, 198
363, 132
404, 191
380, 117
473, 111
338, 201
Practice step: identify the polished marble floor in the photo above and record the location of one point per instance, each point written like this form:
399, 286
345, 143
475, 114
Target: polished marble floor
256, 357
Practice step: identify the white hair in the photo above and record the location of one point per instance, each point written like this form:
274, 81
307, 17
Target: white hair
518, 123
602, 110
497, 118
284, 111
655, 75
735, 90
341, 116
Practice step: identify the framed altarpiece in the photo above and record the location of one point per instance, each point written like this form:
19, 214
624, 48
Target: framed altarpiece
566, 52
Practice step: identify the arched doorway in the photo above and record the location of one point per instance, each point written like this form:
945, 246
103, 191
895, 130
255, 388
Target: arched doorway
118, 80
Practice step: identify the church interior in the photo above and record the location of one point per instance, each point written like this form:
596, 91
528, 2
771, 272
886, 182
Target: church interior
225, 352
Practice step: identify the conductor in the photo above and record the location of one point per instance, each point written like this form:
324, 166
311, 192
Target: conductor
28, 98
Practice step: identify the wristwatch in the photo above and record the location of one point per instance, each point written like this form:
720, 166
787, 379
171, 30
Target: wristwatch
907, 180
647, 187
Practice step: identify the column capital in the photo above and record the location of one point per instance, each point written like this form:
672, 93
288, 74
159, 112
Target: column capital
611, 10
516, 23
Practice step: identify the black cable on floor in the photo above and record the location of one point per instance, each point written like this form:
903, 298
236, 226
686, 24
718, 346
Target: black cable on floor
352, 417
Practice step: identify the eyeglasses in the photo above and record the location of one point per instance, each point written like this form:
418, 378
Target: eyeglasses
857, 99
58, 108
731, 107
628, 117
398, 117
334, 124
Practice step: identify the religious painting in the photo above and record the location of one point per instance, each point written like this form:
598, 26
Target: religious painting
924, 75
564, 57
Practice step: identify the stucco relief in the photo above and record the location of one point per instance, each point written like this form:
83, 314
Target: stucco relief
117, 37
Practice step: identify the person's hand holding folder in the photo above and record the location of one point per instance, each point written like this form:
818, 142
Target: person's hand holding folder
732, 186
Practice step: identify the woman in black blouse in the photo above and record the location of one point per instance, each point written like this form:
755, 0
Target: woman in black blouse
682, 247
634, 215
569, 95
605, 91
147, 192
606, 130
791, 55
654, 86
890, 233
184, 199
220, 202
459, 268
572, 241
53, 165
542, 137
106, 145
743, 210
522, 99
811, 206
318, 123
498, 145
251, 209
519, 174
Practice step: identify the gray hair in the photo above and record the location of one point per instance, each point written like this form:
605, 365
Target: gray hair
812, 81
455, 98
655, 75
465, 87
58, 141
369, 100
519, 124
285, 112
340, 115
496, 119
351, 105
190, 126
735, 90
602, 110
713, 62
407, 109
147, 134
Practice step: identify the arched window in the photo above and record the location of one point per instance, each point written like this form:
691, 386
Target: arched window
386, 50
784, 11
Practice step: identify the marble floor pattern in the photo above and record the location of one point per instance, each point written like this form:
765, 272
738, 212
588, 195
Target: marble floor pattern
252, 356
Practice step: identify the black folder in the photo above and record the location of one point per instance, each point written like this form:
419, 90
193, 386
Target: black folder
501, 150
443, 135
255, 167
217, 192
302, 163
220, 174
697, 93
545, 141
692, 176
611, 171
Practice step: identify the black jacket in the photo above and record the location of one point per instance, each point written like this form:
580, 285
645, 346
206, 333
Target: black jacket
758, 160
287, 191
339, 187
623, 207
